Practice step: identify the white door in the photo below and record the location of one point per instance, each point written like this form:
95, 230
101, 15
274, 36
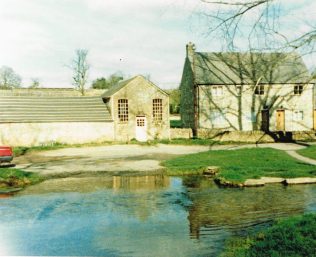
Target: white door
141, 128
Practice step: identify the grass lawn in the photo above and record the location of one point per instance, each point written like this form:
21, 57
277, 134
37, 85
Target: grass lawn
239, 165
309, 152
12, 178
294, 236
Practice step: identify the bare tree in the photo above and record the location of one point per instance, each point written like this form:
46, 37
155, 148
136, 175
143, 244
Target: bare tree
8, 78
80, 69
259, 21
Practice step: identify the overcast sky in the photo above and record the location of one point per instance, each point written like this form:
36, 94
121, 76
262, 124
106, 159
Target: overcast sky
39, 37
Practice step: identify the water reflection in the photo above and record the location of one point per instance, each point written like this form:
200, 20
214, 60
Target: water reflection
92, 184
240, 209
139, 216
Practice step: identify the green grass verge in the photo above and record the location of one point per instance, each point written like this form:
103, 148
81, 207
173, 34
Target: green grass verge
239, 165
294, 236
309, 152
12, 178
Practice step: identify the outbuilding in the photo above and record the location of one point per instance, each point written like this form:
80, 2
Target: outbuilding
134, 109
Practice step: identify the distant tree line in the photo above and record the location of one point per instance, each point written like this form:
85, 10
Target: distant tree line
8, 78
110, 81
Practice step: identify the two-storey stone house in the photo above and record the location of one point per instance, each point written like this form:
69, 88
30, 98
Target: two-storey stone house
246, 91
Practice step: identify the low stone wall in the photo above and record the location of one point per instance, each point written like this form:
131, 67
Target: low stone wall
180, 133
34, 134
304, 135
241, 136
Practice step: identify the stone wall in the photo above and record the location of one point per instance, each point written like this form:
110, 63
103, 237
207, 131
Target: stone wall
240, 136
219, 109
140, 94
34, 134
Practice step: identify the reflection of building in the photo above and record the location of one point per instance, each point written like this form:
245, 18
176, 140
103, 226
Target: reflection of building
134, 109
143, 183
234, 209
246, 91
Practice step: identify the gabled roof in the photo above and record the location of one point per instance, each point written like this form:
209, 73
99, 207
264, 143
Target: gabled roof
242, 68
124, 83
53, 109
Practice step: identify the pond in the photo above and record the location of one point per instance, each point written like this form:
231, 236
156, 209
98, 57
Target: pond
140, 216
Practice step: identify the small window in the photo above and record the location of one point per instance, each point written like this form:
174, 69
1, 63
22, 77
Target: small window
123, 110
140, 122
217, 90
298, 115
157, 110
298, 89
259, 90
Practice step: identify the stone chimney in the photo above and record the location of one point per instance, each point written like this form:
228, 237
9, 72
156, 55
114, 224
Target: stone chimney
190, 51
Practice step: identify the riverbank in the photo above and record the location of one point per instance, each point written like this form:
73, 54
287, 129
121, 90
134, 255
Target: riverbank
15, 179
239, 165
294, 236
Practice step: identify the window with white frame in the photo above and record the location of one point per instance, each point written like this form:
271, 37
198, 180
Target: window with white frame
123, 110
157, 110
298, 115
298, 89
217, 90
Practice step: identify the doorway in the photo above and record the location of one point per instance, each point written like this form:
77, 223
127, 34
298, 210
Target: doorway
280, 120
265, 120
141, 128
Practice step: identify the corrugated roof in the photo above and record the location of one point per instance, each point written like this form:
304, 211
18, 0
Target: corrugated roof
243, 68
53, 109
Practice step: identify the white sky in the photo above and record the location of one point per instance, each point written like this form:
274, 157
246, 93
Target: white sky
39, 37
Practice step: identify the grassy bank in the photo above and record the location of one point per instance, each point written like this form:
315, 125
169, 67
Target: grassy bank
15, 178
294, 236
309, 152
239, 165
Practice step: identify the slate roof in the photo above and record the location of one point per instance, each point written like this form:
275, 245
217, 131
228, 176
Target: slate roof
17, 109
242, 68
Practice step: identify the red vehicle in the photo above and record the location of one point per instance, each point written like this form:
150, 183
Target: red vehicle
6, 154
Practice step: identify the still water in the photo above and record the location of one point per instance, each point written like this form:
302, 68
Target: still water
140, 216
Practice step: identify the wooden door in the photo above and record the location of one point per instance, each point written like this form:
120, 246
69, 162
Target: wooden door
315, 119
265, 120
280, 120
